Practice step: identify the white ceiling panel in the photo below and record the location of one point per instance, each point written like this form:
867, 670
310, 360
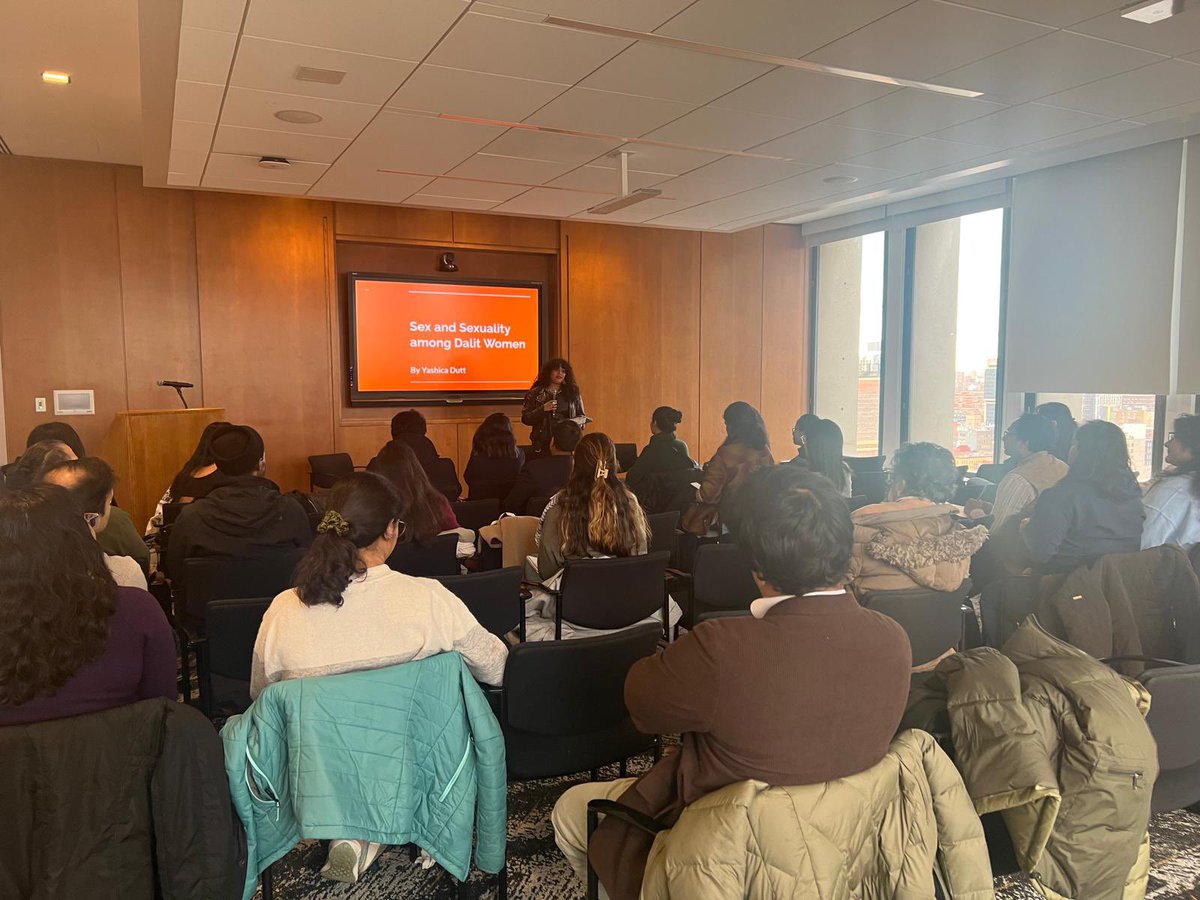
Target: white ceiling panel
564, 148
196, 102
748, 172
802, 96
449, 202
352, 182
473, 190
914, 112
205, 54
652, 71
637, 15
1020, 125
267, 65
260, 142
717, 128
222, 15
418, 145
640, 212
1046, 65
509, 47
491, 167
191, 135
549, 202
1171, 113
926, 38
1168, 83
815, 184
824, 143
189, 161
460, 92
256, 109
919, 155
667, 160
781, 27
401, 29
694, 190
1058, 13
1176, 36
253, 186
230, 165
181, 179
602, 179
1076, 137
696, 217
584, 109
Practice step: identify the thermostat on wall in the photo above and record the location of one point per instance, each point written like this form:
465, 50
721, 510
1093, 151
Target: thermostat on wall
74, 403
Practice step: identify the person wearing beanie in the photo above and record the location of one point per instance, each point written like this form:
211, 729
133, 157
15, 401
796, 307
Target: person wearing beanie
246, 517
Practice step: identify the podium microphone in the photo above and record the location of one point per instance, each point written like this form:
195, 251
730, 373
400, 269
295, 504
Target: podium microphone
179, 386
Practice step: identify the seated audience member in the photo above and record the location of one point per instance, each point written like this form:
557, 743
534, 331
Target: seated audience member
545, 476
1172, 501
409, 428
1030, 442
738, 690
57, 431
246, 517
823, 454
195, 479
1096, 508
913, 539
73, 641
665, 455
495, 461
90, 482
35, 462
349, 611
745, 449
425, 512
800, 435
1064, 427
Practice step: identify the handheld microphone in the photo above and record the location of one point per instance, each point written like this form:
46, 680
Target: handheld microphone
175, 384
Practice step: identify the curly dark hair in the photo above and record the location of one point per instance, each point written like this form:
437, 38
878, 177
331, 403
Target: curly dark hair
56, 594
201, 457
494, 438
1100, 457
570, 386
368, 503
927, 470
421, 506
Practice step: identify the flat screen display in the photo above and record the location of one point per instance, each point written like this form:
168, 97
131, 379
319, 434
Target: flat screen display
433, 340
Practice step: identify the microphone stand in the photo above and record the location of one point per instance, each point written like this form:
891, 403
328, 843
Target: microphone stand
182, 398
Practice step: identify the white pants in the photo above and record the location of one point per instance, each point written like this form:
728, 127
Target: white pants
569, 818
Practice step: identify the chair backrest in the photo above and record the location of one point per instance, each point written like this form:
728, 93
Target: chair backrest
992, 472
327, 468
170, 513
493, 597
474, 514
722, 579
564, 702
438, 557
209, 578
859, 464
872, 485
626, 456
612, 593
933, 620
232, 628
663, 536
536, 506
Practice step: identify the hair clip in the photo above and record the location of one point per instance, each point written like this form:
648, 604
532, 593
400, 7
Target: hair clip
601, 471
334, 521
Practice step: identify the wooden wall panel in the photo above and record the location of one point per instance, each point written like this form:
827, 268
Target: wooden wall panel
60, 293
157, 229
785, 339
393, 222
362, 440
264, 315
634, 317
505, 231
731, 360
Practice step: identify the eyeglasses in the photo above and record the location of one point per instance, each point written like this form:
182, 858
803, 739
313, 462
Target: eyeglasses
1170, 435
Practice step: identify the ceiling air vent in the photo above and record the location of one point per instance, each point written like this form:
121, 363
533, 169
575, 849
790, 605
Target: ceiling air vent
320, 76
4, 150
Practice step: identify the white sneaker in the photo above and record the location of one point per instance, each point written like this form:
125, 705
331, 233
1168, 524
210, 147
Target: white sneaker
347, 860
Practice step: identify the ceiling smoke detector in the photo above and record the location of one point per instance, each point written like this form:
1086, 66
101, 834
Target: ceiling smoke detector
298, 116
627, 198
273, 162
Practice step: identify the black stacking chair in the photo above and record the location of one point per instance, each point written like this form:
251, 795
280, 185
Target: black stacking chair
872, 485
857, 502
326, 468
536, 506
209, 578
664, 532
933, 620
721, 579
474, 514
438, 557
992, 472
444, 477
225, 654
612, 593
170, 513
859, 464
494, 598
626, 456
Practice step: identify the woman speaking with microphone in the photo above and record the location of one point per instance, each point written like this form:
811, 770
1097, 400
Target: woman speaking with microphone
554, 396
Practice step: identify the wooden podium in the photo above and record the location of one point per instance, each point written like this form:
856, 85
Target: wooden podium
146, 448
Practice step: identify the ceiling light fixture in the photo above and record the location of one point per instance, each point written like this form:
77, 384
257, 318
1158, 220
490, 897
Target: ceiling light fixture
627, 197
298, 116
1150, 11
750, 56
841, 179
56, 77
273, 162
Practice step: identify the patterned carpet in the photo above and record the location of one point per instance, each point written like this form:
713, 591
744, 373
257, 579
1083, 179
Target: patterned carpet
537, 871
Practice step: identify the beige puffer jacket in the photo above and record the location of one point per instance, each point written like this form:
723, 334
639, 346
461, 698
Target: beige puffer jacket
877, 835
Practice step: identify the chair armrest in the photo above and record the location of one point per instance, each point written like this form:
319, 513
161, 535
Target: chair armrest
1154, 660
527, 585
626, 814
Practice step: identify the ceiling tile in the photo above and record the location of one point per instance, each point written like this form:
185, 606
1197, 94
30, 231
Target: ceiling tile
1170, 113
815, 184
1058, 13
222, 15
1176, 37
191, 135
698, 190
1078, 137
473, 190
780, 27
1193, 57
401, 29
549, 202
825, 143
748, 172
918, 155
492, 167
271, 66
352, 182
1019, 125
914, 112
449, 202
229, 165
459, 92
1046, 65
419, 145
260, 142
602, 178
926, 38
508, 47
196, 102
716, 128
668, 160
253, 186
652, 71
180, 179
205, 54
805, 97
604, 112
639, 212
256, 109
187, 161
637, 15
1168, 83
695, 217
530, 144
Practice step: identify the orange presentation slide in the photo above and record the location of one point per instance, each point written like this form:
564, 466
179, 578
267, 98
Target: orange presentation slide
421, 336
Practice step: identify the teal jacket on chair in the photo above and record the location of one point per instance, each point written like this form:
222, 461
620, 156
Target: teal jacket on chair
407, 754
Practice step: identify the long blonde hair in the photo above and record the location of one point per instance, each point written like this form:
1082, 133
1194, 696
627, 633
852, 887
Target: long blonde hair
599, 514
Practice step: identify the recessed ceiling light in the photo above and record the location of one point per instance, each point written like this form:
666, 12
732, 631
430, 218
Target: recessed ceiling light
56, 77
273, 162
841, 179
298, 116
1150, 11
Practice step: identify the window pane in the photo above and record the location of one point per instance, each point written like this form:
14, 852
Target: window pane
849, 331
1133, 413
955, 336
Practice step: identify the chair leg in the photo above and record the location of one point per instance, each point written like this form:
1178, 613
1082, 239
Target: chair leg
593, 774
593, 883
658, 747
502, 883
268, 887
623, 768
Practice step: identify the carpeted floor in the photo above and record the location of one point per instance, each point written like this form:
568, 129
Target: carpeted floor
537, 871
